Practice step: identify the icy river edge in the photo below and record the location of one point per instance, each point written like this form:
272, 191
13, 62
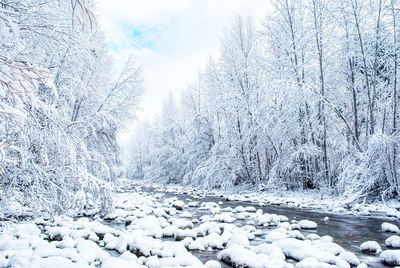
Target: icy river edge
182, 227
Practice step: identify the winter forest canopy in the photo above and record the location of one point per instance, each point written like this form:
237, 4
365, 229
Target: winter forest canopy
305, 99
61, 106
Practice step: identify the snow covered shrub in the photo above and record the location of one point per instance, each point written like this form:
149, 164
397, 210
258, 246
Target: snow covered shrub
370, 173
216, 171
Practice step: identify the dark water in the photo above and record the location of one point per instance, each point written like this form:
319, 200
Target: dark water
348, 230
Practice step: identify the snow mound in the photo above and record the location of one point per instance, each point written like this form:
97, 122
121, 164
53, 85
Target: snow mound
350, 258
306, 224
371, 247
311, 262
393, 241
388, 227
390, 257
212, 264
238, 256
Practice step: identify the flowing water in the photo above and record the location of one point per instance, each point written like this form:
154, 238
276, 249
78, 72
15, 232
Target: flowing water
348, 230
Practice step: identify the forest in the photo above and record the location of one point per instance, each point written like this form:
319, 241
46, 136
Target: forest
59, 110
306, 98
284, 152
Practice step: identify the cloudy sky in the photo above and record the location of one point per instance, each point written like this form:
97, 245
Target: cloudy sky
172, 39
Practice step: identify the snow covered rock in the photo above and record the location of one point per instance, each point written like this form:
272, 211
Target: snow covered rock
178, 204
182, 224
388, 227
212, 264
57, 233
276, 234
272, 251
351, 258
239, 239
296, 234
150, 225
213, 240
295, 249
311, 262
306, 224
24, 230
371, 247
90, 251
390, 257
196, 245
209, 205
182, 234
224, 217
238, 256
393, 241
271, 219
114, 262
313, 237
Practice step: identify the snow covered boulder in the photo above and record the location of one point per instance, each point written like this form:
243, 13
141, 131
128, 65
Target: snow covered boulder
143, 245
276, 234
393, 241
327, 246
57, 233
311, 262
390, 257
350, 258
181, 234
295, 249
313, 237
209, 206
178, 204
238, 256
196, 245
113, 262
150, 225
371, 247
186, 214
224, 217
193, 204
26, 230
306, 224
213, 240
250, 209
271, 219
238, 239
90, 251
53, 261
273, 252
182, 224
388, 227
212, 264
239, 209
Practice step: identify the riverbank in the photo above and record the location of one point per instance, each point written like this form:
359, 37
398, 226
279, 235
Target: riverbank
307, 199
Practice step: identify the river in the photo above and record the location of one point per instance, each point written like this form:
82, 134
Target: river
348, 230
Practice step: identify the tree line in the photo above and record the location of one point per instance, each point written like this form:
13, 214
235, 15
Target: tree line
305, 99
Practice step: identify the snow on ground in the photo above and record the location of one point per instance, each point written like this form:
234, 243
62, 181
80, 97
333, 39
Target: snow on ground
300, 199
152, 230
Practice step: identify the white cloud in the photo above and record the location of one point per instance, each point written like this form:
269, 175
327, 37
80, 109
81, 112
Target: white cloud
172, 39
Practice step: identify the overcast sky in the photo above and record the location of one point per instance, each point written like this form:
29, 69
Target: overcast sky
171, 39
